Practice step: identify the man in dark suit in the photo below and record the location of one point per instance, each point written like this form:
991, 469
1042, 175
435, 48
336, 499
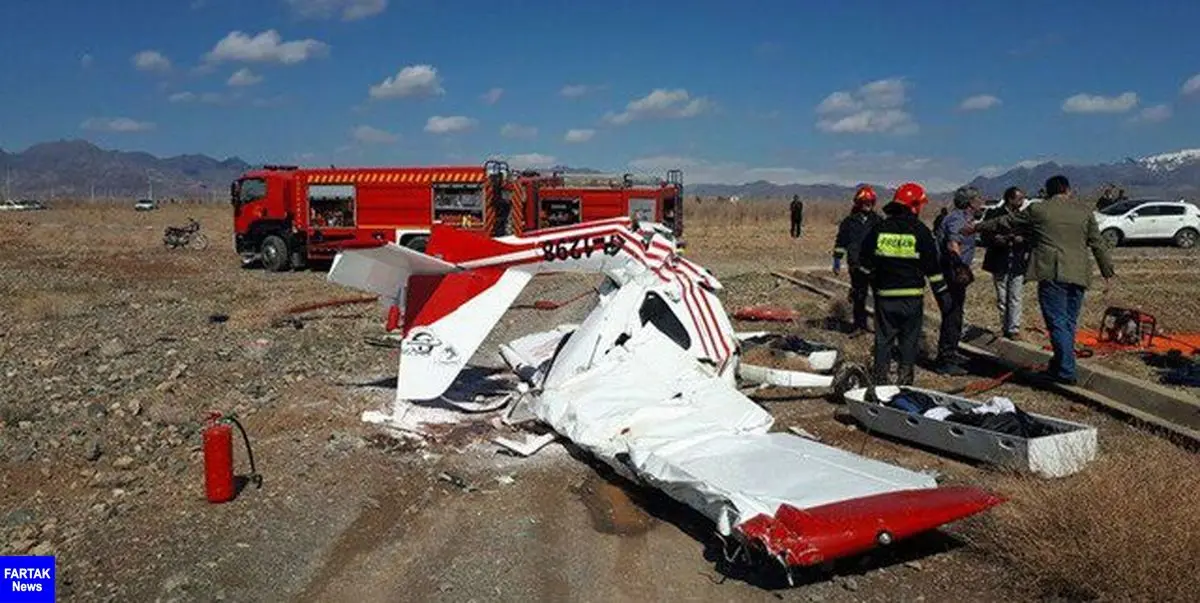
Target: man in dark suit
1007, 259
797, 215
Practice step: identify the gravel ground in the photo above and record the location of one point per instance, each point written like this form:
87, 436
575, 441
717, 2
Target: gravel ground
113, 351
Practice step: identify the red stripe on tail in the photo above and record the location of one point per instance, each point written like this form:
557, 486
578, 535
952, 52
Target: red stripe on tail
431, 298
802, 537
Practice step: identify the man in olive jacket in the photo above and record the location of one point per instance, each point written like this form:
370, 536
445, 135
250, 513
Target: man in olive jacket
1063, 230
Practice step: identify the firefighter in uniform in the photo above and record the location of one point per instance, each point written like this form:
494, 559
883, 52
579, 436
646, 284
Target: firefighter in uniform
850, 234
899, 255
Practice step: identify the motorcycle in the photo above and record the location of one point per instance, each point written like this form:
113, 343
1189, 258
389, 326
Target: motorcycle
188, 236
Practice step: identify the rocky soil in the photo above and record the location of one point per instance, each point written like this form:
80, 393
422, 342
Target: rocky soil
113, 352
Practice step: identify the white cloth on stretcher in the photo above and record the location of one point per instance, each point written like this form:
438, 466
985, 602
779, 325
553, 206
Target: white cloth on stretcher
995, 406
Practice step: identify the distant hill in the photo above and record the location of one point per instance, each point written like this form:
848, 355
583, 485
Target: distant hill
77, 168
768, 190
1170, 175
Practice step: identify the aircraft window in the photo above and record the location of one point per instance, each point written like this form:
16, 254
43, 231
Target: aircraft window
655, 311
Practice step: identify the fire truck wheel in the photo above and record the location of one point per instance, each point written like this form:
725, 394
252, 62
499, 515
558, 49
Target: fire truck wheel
417, 243
276, 256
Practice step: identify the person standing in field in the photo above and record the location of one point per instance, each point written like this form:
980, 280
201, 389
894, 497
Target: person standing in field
1007, 259
797, 209
1063, 231
898, 256
957, 253
850, 235
937, 220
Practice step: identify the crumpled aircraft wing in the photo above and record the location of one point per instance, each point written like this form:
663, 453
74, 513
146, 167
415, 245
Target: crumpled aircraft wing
660, 418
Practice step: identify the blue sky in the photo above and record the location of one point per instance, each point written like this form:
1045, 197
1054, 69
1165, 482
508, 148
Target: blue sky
787, 91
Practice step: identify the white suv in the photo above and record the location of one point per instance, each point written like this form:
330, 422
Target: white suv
1150, 219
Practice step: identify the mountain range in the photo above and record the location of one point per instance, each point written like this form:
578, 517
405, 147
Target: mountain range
78, 169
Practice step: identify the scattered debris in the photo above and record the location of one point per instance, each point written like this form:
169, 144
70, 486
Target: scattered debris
647, 383
527, 447
456, 481
804, 433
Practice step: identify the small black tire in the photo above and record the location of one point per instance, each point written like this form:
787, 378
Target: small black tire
199, 242
418, 243
849, 376
276, 256
1186, 238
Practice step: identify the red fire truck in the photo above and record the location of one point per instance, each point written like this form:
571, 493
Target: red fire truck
285, 216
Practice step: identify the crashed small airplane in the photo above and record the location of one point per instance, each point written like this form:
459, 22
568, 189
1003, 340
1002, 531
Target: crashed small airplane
648, 384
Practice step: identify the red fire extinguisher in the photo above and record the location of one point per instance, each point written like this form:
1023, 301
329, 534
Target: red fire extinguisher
219, 484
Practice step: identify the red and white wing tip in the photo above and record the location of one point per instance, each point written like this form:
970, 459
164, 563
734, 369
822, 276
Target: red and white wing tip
805, 537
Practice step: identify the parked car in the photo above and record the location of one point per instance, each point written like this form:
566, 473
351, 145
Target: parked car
145, 205
22, 205
1150, 220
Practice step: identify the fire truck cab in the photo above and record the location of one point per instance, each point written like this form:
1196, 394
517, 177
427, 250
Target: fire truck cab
285, 216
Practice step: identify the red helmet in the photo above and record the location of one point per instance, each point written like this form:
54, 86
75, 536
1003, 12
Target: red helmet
912, 196
865, 196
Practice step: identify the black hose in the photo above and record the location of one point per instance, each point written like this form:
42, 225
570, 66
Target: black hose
254, 476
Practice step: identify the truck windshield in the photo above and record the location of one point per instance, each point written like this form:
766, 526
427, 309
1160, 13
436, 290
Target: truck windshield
250, 189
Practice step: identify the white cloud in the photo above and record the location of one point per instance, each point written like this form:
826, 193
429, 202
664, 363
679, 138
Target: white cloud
350, 10
266, 47
518, 131
839, 102
210, 98
580, 135
979, 102
116, 124
491, 96
449, 125
991, 171
846, 168
708, 172
660, 104
221, 98
86, 60
1192, 86
575, 90
1153, 114
244, 77
1088, 103
523, 161
414, 80
369, 135
876, 107
151, 60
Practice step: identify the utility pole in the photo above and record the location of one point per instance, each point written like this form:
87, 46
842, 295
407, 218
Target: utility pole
150, 186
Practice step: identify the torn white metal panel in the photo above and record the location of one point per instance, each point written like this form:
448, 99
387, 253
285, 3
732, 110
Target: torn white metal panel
781, 377
702, 442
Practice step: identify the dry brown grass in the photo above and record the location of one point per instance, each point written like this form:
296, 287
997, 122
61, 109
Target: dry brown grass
1125, 529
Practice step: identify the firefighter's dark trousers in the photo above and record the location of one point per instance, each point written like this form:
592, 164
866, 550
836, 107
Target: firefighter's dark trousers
897, 326
796, 224
860, 287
